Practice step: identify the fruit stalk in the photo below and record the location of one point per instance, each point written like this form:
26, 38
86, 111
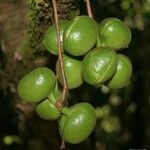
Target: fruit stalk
89, 10
65, 111
65, 91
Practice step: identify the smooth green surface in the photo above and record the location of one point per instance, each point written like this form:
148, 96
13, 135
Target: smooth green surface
79, 122
72, 69
36, 85
80, 35
50, 38
114, 33
122, 76
99, 65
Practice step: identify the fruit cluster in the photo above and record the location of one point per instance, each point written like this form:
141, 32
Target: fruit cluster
100, 64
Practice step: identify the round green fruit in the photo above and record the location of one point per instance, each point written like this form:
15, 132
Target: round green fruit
80, 35
47, 109
50, 38
36, 85
114, 33
77, 123
122, 76
99, 65
72, 68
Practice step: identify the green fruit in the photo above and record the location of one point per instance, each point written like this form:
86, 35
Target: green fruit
77, 123
123, 74
50, 38
47, 109
99, 65
36, 85
72, 70
80, 35
114, 33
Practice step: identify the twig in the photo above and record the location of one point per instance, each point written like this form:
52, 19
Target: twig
88, 7
62, 147
65, 89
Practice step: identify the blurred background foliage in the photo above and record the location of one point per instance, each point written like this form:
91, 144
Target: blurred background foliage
123, 115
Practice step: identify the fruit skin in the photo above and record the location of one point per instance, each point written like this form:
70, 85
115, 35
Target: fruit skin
122, 76
114, 33
80, 35
99, 65
72, 69
50, 38
36, 85
47, 109
78, 122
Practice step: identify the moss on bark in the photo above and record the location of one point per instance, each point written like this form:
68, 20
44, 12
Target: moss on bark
40, 16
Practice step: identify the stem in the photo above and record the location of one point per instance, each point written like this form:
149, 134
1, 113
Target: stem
88, 7
65, 89
98, 43
65, 111
62, 144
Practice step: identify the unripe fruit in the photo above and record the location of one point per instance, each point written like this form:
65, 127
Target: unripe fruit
80, 35
114, 33
36, 85
72, 68
123, 74
99, 65
50, 38
47, 109
77, 123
